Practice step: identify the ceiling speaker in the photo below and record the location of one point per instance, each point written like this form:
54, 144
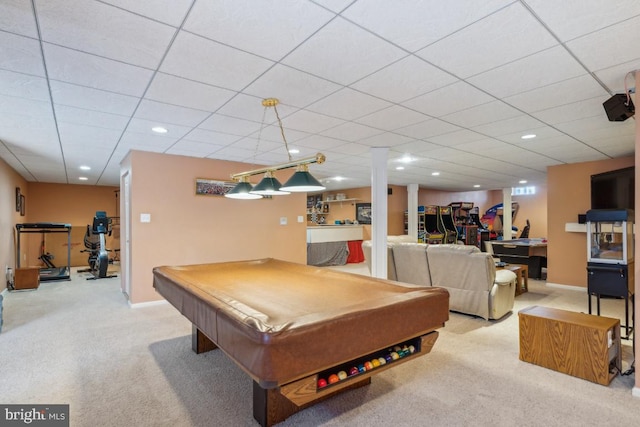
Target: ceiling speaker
617, 108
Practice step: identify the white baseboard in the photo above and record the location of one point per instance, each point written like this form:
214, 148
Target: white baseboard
567, 287
4, 292
635, 392
147, 304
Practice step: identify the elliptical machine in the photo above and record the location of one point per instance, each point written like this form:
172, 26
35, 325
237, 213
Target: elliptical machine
95, 242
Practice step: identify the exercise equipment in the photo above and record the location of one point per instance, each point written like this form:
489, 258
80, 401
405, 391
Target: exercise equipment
95, 244
50, 272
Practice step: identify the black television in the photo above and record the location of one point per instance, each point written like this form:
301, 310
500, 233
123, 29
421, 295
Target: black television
614, 189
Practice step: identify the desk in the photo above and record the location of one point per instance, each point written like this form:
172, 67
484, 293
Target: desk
522, 274
529, 252
289, 325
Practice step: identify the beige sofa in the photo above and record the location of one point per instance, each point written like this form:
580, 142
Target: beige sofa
475, 286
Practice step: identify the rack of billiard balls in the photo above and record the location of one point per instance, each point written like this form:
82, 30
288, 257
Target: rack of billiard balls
390, 356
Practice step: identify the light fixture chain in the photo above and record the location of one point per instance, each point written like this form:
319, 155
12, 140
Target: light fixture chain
286, 146
255, 152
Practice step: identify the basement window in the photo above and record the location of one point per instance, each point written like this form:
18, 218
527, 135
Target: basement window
523, 191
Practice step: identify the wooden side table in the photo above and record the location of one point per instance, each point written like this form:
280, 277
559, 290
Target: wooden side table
522, 274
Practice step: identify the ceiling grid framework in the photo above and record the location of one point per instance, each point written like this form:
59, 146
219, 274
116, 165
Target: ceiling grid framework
452, 86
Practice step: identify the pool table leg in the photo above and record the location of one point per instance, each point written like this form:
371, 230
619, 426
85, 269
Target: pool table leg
200, 343
271, 407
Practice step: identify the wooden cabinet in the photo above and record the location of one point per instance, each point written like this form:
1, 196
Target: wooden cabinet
27, 278
577, 344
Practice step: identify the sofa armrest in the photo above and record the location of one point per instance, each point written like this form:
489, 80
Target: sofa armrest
505, 277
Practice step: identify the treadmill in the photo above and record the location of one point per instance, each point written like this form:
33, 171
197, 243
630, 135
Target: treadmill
49, 272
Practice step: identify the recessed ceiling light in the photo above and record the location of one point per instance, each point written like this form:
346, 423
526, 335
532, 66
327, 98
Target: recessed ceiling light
528, 136
406, 159
435, 173
294, 151
83, 178
522, 181
159, 129
85, 168
476, 186
339, 178
400, 168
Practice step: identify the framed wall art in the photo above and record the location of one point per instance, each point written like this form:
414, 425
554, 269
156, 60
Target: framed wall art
363, 213
212, 187
18, 199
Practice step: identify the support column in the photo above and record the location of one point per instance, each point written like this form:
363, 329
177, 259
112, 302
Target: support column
506, 210
379, 211
412, 211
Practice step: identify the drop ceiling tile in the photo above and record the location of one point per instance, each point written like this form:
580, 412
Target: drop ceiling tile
414, 25
594, 15
455, 138
187, 93
210, 137
490, 112
272, 133
170, 114
426, 129
74, 135
331, 55
488, 147
415, 147
404, 79
25, 107
449, 99
614, 77
23, 86
319, 142
336, 6
79, 68
262, 146
206, 61
502, 37
310, 122
521, 123
143, 126
354, 149
540, 69
386, 139
300, 90
561, 93
16, 16
145, 142
591, 107
392, 118
104, 30
71, 95
201, 148
250, 107
348, 104
351, 131
20, 54
171, 12
605, 48
268, 28
229, 125
91, 118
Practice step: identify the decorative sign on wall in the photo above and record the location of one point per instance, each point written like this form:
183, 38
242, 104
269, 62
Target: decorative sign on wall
210, 187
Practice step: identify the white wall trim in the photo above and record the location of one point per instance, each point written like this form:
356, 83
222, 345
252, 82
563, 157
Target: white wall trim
4, 292
635, 392
147, 304
567, 287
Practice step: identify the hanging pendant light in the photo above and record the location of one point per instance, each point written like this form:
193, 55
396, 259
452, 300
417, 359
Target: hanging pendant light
242, 190
269, 186
302, 181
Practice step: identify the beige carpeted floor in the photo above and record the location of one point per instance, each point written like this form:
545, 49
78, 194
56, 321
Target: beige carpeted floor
78, 342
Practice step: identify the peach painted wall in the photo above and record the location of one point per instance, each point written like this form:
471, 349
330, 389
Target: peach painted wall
396, 205
190, 229
9, 180
636, 391
69, 204
569, 194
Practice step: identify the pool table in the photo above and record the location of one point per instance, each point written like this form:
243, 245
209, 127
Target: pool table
292, 326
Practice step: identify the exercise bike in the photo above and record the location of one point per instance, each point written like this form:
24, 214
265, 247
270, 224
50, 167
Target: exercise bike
95, 242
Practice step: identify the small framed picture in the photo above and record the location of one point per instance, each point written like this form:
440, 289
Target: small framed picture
211, 187
18, 199
363, 213
23, 205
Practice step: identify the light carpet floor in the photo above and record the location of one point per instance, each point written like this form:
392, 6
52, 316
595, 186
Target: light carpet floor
78, 342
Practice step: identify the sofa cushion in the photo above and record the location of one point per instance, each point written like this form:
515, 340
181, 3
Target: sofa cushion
411, 263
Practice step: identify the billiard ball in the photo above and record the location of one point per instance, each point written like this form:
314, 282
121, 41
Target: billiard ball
394, 355
388, 358
412, 349
342, 375
361, 368
368, 366
322, 383
397, 348
353, 371
333, 378
375, 362
382, 360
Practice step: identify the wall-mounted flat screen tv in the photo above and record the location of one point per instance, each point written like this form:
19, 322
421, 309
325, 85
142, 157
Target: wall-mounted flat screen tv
614, 189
